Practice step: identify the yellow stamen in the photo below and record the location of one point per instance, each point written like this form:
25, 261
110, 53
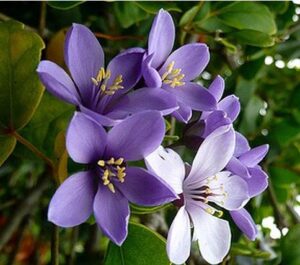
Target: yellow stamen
111, 161
101, 163
111, 187
172, 76
119, 161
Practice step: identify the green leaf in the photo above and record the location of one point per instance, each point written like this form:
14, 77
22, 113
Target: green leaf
128, 13
64, 5
7, 144
248, 15
189, 15
290, 247
51, 117
283, 178
154, 7
253, 38
136, 209
20, 88
142, 247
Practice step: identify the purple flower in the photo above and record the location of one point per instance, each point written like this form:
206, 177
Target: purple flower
244, 163
200, 185
109, 184
173, 72
97, 91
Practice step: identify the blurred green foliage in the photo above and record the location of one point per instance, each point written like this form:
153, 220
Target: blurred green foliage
255, 46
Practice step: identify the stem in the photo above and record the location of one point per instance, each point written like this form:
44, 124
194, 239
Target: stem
116, 37
33, 149
172, 130
279, 217
42, 22
73, 239
55, 246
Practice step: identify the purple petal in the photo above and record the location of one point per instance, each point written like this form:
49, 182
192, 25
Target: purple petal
183, 114
194, 96
215, 120
104, 120
236, 190
245, 222
72, 203
231, 106
128, 64
242, 145
137, 136
145, 99
143, 188
85, 140
254, 156
179, 238
84, 58
212, 233
213, 154
190, 58
168, 165
258, 181
57, 82
111, 211
151, 76
161, 37
237, 168
216, 88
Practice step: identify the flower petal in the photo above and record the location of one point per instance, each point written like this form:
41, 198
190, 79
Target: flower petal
57, 82
216, 88
137, 136
151, 76
84, 57
235, 189
104, 120
85, 140
213, 234
213, 154
112, 214
215, 120
242, 145
194, 96
168, 165
72, 203
190, 58
231, 106
179, 238
143, 188
145, 99
236, 167
128, 64
183, 114
245, 223
161, 37
258, 181
254, 156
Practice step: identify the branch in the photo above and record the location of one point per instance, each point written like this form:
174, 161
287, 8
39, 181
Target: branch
25, 207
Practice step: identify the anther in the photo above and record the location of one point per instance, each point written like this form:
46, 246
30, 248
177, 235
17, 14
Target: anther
101, 163
111, 187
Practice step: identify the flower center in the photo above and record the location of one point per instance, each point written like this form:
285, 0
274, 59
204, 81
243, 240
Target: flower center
102, 79
173, 76
211, 191
112, 170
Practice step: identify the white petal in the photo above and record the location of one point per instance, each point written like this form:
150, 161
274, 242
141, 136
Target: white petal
213, 154
236, 190
179, 238
168, 165
213, 235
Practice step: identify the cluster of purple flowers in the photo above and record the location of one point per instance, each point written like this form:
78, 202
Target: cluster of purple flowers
119, 119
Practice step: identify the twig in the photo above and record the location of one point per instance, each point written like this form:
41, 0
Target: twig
55, 246
42, 22
25, 207
73, 239
117, 37
33, 149
294, 214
